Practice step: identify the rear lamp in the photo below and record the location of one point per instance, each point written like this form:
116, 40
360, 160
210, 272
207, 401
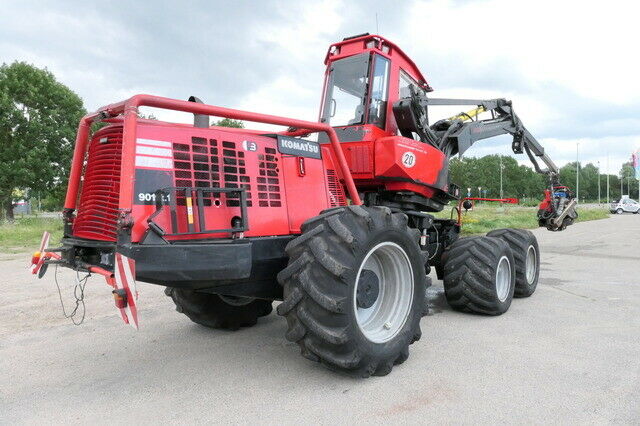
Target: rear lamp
120, 298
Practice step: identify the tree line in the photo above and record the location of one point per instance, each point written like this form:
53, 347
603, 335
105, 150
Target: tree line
520, 181
39, 117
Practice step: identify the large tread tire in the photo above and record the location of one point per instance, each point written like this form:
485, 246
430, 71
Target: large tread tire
521, 241
319, 284
210, 310
470, 266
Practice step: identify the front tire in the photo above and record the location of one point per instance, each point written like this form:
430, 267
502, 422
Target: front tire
526, 256
479, 275
216, 311
619, 211
354, 289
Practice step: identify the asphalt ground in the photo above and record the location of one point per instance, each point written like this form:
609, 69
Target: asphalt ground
568, 354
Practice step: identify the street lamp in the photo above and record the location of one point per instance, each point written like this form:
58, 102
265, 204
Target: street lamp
598, 182
501, 194
607, 176
578, 171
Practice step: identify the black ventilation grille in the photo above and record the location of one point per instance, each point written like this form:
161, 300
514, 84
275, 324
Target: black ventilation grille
268, 179
207, 165
336, 192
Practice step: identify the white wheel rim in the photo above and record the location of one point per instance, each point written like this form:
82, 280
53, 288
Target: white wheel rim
531, 264
503, 278
383, 320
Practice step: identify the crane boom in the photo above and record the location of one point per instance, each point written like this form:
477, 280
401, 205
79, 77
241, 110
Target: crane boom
458, 133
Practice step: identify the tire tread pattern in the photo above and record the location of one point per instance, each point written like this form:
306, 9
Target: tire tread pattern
316, 288
469, 275
519, 240
211, 311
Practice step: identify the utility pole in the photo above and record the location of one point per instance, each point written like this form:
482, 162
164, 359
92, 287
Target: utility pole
598, 182
578, 171
607, 176
501, 194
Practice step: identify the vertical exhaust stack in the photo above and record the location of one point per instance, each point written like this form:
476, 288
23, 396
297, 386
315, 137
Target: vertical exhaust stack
199, 120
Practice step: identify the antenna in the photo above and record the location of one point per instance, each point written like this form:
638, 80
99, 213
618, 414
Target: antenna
377, 30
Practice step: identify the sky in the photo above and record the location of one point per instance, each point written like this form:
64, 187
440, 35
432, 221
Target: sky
571, 68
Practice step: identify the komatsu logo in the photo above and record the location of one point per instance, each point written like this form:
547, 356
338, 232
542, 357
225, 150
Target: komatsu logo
298, 147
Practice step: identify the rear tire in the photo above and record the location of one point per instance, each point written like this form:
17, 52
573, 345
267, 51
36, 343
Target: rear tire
354, 289
215, 311
619, 211
526, 256
479, 275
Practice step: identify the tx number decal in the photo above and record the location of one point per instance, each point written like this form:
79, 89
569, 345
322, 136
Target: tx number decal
408, 159
249, 146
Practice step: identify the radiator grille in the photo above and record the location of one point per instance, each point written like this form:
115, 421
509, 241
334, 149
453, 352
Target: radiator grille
205, 164
336, 192
97, 211
269, 179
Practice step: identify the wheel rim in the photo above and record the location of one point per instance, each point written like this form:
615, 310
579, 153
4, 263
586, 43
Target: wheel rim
387, 314
503, 278
531, 264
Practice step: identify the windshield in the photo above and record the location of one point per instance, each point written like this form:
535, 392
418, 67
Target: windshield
345, 98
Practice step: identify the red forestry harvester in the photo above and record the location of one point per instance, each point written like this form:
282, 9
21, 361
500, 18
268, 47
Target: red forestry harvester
229, 220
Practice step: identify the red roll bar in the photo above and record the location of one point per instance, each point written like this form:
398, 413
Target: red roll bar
129, 109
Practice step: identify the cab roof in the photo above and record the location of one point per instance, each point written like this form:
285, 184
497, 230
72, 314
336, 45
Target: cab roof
370, 42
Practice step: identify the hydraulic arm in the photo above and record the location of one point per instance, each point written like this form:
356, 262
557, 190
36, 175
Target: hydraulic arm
457, 134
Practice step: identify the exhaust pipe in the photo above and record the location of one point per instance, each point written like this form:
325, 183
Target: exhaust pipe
199, 120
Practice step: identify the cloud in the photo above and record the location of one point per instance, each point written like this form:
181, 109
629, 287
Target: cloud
566, 65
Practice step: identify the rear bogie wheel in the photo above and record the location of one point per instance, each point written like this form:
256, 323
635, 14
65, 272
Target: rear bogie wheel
479, 275
217, 311
526, 256
354, 289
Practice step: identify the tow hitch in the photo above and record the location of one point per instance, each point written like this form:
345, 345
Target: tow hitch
122, 279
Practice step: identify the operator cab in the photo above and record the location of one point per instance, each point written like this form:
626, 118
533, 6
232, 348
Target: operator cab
365, 75
350, 99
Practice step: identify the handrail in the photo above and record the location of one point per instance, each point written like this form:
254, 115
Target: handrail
129, 108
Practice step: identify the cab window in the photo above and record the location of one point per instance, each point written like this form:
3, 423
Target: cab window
345, 96
403, 87
379, 91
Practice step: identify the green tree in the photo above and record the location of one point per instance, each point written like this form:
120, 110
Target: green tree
149, 116
517, 180
229, 122
629, 182
38, 120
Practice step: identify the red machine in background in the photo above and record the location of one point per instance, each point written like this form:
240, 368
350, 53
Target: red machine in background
229, 220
